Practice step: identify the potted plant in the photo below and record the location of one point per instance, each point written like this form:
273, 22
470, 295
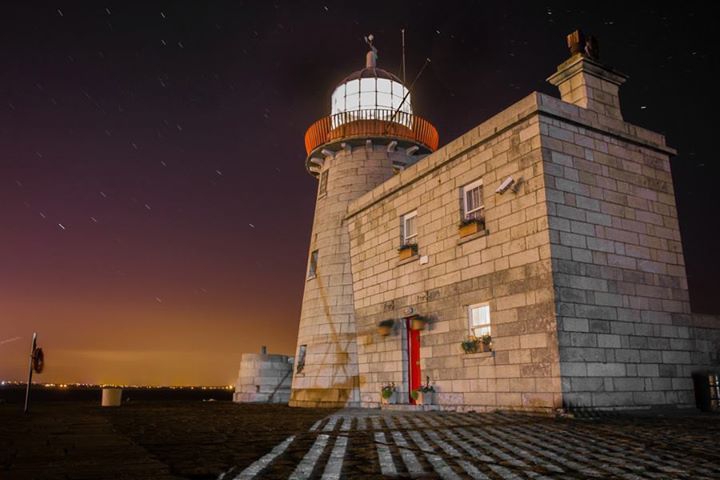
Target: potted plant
470, 345
388, 394
385, 327
407, 250
418, 322
469, 226
485, 343
424, 395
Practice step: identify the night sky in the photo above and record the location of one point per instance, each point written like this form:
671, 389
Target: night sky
155, 207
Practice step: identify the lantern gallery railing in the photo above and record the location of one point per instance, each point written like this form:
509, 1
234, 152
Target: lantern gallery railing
371, 123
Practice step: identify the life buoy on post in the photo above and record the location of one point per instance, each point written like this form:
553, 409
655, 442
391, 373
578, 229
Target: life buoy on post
38, 360
37, 364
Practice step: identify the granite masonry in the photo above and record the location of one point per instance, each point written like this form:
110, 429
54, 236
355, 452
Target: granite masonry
577, 262
263, 378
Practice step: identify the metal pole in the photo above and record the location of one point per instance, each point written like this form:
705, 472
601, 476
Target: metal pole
27, 388
409, 89
403, 55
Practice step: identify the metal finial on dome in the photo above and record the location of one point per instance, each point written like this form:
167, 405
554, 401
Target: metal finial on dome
371, 57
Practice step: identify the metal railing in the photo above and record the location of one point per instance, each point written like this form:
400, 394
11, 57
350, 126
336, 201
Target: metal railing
371, 123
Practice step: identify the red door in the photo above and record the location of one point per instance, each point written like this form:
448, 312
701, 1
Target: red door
413, 359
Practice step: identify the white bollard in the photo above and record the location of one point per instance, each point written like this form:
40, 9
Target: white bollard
111, 397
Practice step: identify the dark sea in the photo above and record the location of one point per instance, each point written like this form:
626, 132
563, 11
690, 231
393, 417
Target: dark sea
38, 393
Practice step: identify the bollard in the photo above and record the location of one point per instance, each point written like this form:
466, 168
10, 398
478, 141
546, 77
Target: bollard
111, 397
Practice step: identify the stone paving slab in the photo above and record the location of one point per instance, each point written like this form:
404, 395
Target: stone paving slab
196, 440
145, 440
368, 443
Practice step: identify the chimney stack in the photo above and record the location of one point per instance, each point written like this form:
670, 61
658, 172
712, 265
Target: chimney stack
585, 82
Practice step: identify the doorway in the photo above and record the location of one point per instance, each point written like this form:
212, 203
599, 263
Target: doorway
413, 348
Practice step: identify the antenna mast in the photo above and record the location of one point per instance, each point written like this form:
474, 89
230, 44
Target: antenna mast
409, 89
403, 55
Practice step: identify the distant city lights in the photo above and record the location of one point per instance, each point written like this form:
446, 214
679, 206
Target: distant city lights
13, 383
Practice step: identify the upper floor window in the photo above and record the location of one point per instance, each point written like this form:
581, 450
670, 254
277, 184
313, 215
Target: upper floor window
472, 201
479, 316
300, 361
322, 189
312, 268
409, 228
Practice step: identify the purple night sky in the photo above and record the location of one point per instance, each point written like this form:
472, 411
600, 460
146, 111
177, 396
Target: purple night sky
155, 207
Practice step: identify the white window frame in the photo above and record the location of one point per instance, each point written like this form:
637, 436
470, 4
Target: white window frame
482, 328
312, 264
477, 212
409, 240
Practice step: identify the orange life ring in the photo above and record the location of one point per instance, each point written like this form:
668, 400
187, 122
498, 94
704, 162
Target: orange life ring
38, 360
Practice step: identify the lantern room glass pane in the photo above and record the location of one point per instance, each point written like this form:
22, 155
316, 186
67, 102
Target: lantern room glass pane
396, 102
352, 102
367, 94
384, 100
353, 86
384, 85
367, 85
338, 100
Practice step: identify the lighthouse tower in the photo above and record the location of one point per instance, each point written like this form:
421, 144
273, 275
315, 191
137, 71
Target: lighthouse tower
370, 134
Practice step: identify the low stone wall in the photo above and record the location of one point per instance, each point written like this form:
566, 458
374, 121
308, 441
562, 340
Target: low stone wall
264, 378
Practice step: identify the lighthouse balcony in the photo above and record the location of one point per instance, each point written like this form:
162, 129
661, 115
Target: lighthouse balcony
357, 126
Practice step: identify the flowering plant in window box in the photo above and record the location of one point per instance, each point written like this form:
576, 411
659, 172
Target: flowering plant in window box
388, 394
425, 394
418, 322
408, 250
385, 327
469, 226
485, 343
474, 344
470, 345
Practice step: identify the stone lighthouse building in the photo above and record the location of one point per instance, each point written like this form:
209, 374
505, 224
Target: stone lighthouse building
534, 263
371, 133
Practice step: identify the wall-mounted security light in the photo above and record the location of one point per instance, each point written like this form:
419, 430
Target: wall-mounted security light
505, 185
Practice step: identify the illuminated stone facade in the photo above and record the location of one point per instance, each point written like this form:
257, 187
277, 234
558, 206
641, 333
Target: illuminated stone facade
579, 261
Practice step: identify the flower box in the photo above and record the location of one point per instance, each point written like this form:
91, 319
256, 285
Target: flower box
407, 251
470, 227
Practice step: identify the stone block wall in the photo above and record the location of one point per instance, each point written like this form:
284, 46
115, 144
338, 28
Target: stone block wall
329, 377
263, 379
626, 336
509, 268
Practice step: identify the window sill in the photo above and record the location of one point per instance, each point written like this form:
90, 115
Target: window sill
479, 354
311, 278
471, 237
410, 259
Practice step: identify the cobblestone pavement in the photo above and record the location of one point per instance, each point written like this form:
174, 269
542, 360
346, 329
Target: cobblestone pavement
202, 440
141, 441
370, 443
